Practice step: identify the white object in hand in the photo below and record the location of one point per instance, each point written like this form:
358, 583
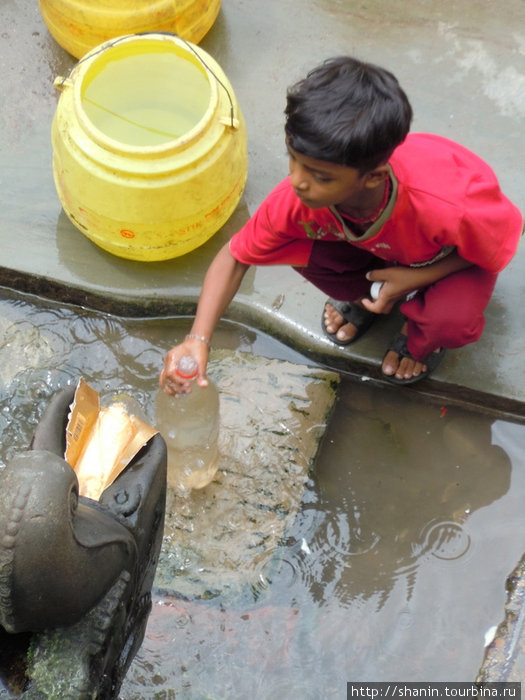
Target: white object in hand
375, 289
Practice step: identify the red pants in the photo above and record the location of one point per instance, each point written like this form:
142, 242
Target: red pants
447, 314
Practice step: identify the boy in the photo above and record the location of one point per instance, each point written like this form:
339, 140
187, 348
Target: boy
366, 202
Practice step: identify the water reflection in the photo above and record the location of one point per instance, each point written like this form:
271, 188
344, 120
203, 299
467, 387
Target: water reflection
47, 347
397, 484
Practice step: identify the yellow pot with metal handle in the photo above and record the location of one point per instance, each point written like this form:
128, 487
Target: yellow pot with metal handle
80, 25
149, 146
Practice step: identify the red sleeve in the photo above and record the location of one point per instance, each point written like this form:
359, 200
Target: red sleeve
270, 236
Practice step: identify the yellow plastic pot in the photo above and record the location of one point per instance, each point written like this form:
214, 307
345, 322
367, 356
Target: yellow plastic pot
149, 147
80, 25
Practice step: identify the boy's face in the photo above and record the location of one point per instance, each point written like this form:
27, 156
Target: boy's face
319, 183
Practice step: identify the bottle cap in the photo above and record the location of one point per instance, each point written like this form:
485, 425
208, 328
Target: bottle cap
187, 367
375, 289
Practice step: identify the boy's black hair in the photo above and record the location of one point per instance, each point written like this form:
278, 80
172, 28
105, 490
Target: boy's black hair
347, 112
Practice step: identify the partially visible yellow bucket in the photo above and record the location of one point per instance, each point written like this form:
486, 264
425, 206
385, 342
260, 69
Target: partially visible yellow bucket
80, 25
149, 147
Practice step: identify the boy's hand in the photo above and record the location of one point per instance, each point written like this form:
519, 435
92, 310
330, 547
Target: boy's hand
170, 381
400, 281
221, 283
397, 282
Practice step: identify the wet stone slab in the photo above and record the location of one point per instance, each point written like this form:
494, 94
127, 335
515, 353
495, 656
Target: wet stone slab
223, 538
505, 655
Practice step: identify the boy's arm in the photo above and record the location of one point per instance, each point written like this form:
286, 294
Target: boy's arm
222, 280
400, 281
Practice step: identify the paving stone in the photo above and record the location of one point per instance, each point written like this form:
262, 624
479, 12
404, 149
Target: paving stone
273, 416
505, 655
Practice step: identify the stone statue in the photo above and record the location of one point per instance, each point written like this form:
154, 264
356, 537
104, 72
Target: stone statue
76, 574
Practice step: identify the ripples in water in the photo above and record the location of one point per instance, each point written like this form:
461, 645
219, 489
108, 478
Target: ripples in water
393, 567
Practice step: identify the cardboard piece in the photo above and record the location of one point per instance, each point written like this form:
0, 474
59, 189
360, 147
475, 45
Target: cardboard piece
101, 440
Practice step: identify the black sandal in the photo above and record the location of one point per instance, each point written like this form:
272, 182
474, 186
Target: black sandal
399, 345
352, 313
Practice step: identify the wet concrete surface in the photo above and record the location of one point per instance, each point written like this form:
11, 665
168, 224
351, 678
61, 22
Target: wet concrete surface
463, 67
462, 64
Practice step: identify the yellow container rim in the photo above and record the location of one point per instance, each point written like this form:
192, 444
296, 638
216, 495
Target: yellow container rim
160, 40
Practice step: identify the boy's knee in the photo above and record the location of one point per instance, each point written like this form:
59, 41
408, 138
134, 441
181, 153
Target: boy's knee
455, 335
455, 330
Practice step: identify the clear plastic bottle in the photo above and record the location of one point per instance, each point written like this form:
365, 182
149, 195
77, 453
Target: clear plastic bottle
189, 423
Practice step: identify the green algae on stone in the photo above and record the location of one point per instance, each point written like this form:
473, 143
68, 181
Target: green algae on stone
85, 660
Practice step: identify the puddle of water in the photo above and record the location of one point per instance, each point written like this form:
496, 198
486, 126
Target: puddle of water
393, 568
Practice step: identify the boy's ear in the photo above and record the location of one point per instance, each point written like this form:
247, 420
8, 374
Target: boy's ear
377, 176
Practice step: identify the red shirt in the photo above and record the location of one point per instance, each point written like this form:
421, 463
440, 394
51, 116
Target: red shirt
443, 196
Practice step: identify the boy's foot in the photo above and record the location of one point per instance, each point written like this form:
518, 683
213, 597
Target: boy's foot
344, 321
400, 367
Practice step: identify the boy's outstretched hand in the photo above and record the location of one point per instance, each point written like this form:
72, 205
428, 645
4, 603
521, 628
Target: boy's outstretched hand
221, 282
170, 381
